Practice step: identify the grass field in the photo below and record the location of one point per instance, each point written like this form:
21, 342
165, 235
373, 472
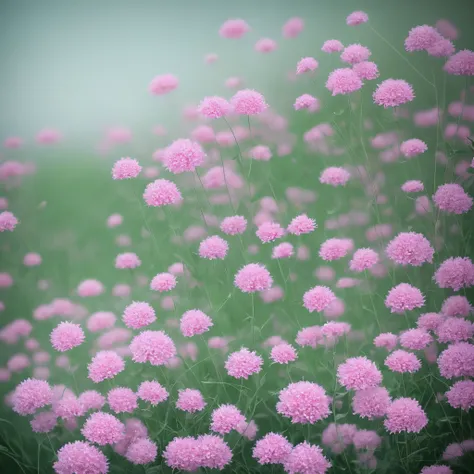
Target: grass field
63, 205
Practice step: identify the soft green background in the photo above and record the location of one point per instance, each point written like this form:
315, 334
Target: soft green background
84, 66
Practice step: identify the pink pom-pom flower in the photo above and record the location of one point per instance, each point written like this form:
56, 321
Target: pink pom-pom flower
358, 373
195, 322
163, 282
404, 297
303, 402
67, 336
243, 363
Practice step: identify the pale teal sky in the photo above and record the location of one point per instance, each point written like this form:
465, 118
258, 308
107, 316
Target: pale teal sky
84, 65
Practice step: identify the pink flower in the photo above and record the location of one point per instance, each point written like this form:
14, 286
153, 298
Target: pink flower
403, 361
66, 336
269, 231
234, 29
442, 48
213, 248
358, 373
338, 436
306, 458
90, 288
203, 134
248, 102
101, 320
404, 297
456, 306
265, 45
334, 249
307, 101
163, 282
225, 419
234, 225
48, 136
127, 260
161, 192
457, 361
343, 81
293, 27
301, 224
355, 53
410, 248
183, 155
81, 458
155, 347
214, 107
91, 400
303, 402
273, 448
413, 147
429, 321
152, 392
335, 309
461, 63
412, 186
455, 273
126, 168
7, 221
141, 451
393, 93
448, 30
455, 329
283, 353
105, 365
138, 314
422, 205
183, 453
243, 363
357, 18
334, 176
122, 400
332, 46
253, 277
415, 339
30, 395
310, 336
366, 70
461, 395
307, 64
283, 250
163, 84
421, 38
363, 259
190, 400
214, 452
452, 198
233, 82
405, 414
32, 259
260, 153
13, 142
371, 403
103, 428
318, 298
43, 422
195, 322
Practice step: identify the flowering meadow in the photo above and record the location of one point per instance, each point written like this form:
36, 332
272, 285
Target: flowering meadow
276, 278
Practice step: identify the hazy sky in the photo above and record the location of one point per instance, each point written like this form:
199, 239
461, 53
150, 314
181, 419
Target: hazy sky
83, 65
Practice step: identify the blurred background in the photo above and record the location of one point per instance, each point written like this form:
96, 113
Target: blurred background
83, 68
